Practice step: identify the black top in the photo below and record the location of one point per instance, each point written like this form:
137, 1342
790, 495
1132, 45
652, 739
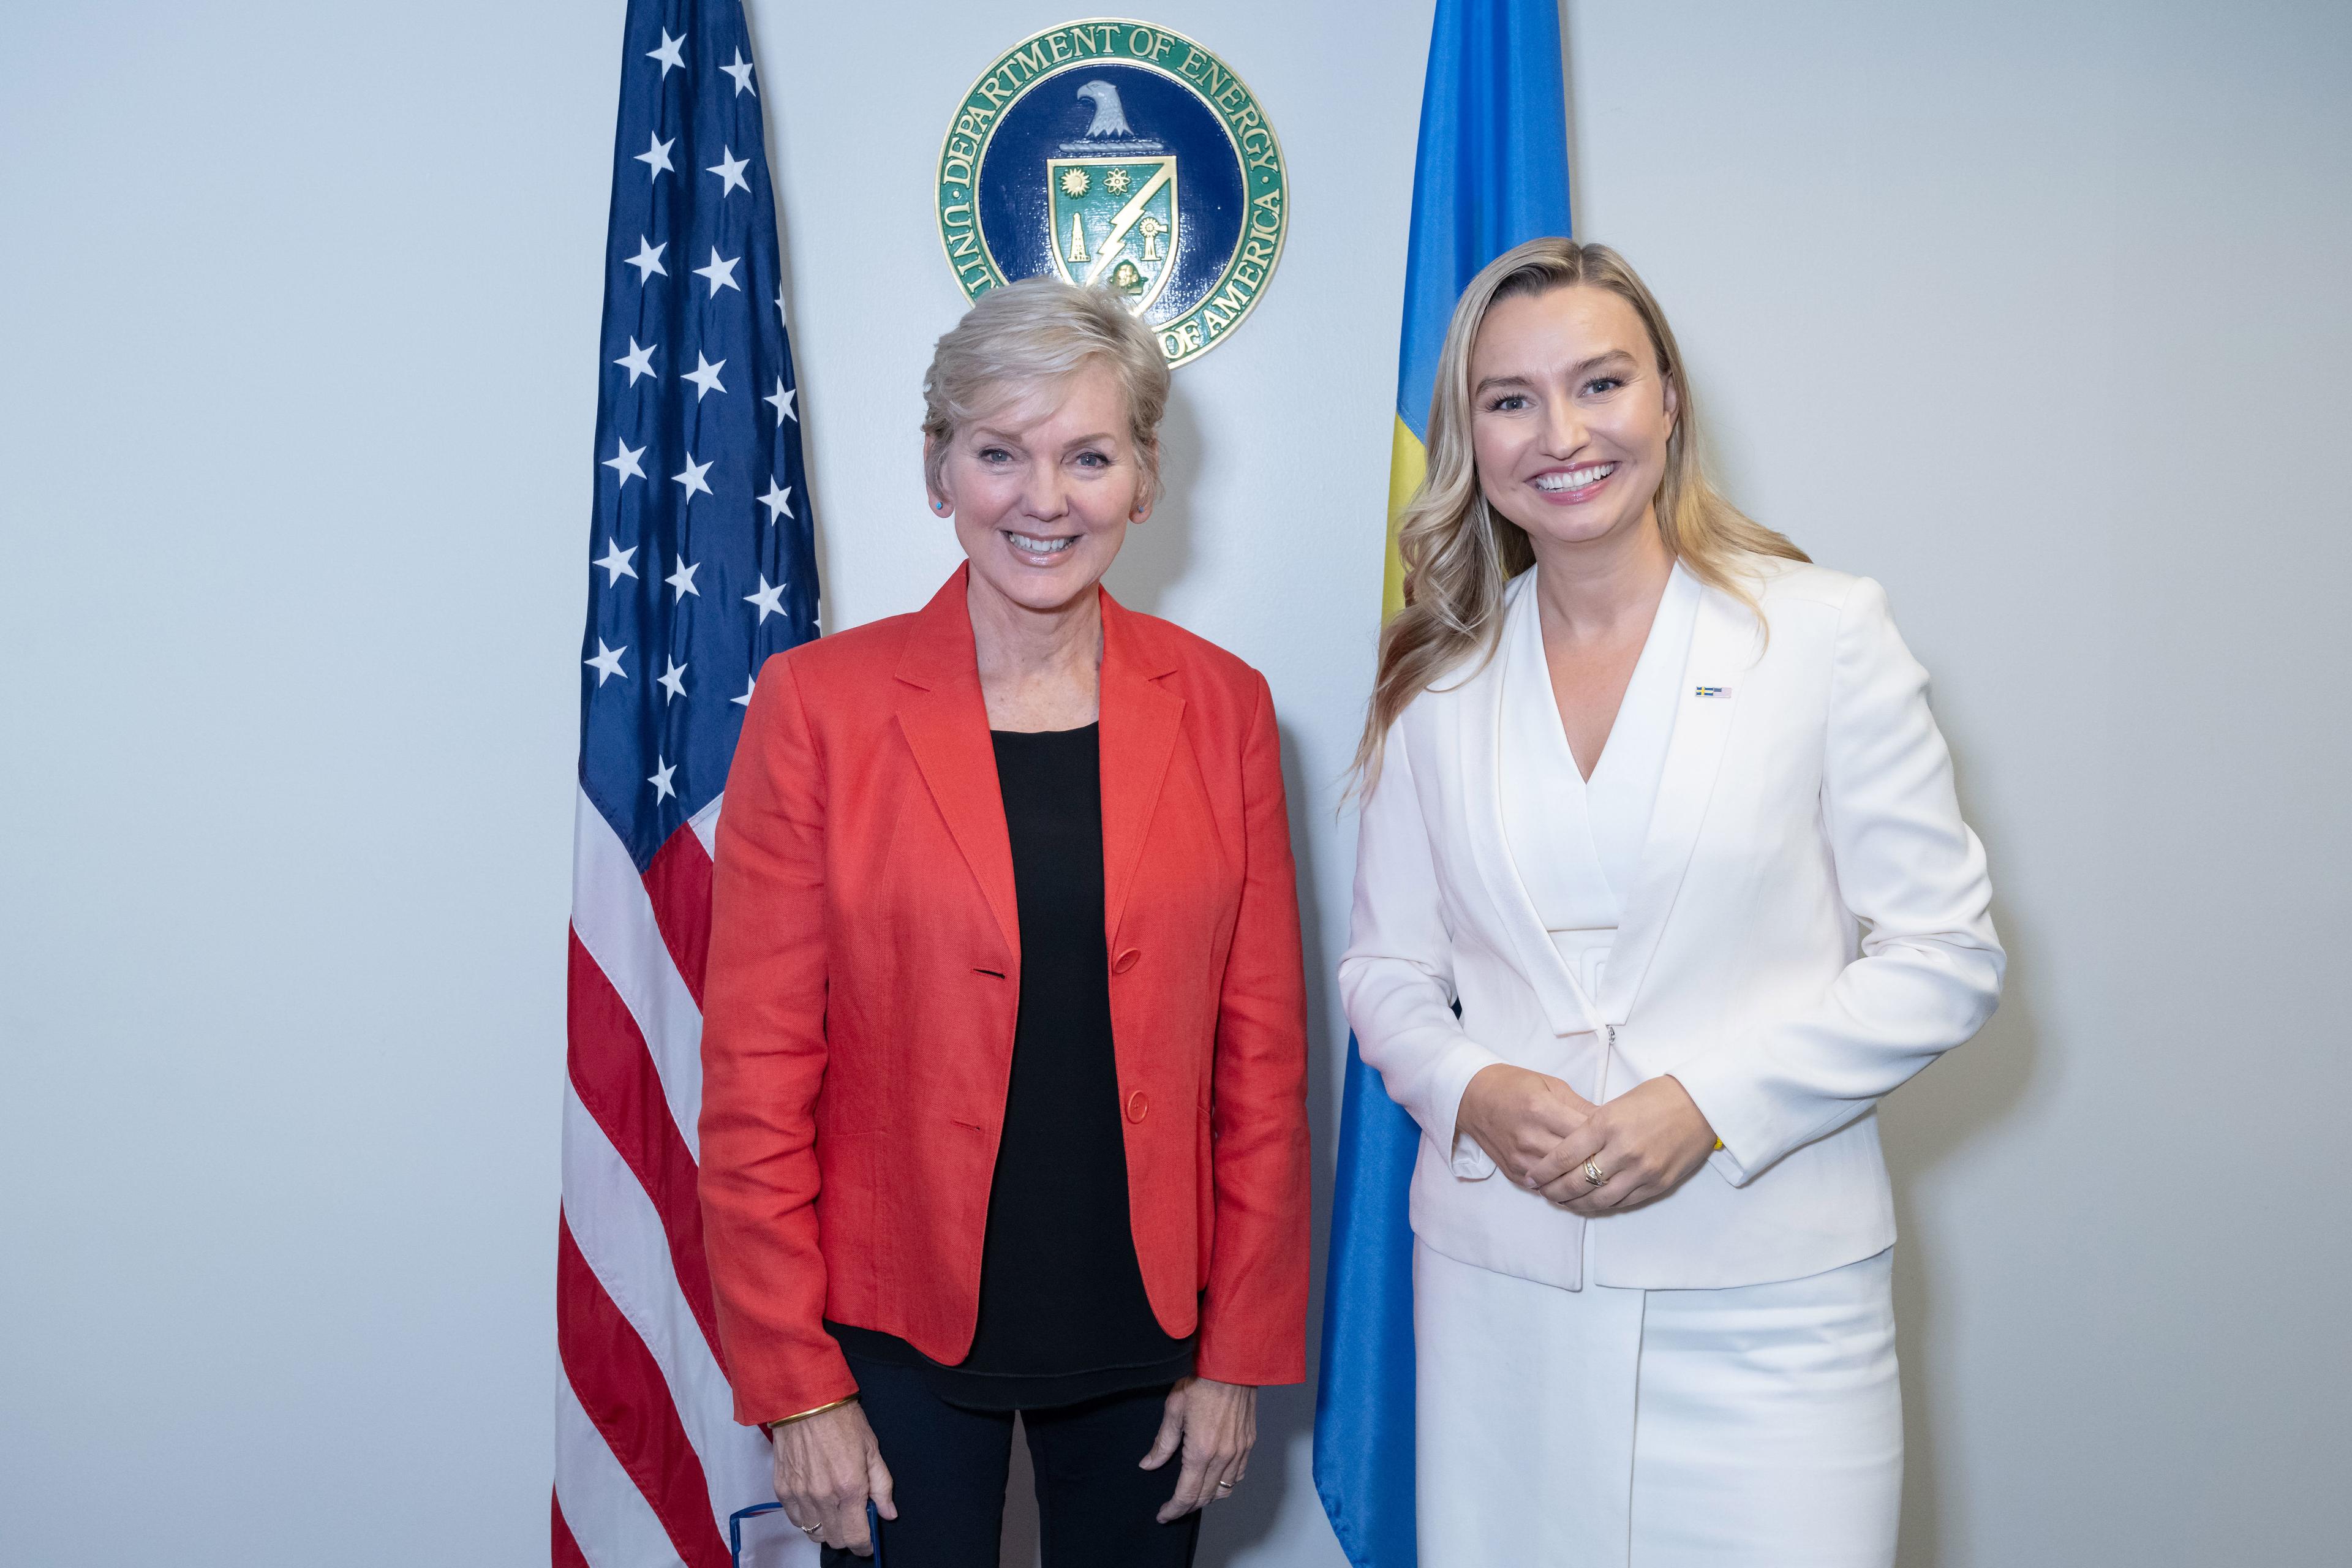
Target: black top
1063, 1316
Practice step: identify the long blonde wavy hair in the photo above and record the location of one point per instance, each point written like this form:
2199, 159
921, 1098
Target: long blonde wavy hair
1459, 554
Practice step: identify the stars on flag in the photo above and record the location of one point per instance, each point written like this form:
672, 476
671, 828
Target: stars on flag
660, 420
729, 170
639, 362
769, 600
692, 478
722, 273
624, 461
656, 157
616, 561
705, 376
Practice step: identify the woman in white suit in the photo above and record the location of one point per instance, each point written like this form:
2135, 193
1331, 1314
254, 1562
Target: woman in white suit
1661, 806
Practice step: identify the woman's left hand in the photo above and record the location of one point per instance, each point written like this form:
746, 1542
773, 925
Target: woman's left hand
1645, 1143
1216, 1426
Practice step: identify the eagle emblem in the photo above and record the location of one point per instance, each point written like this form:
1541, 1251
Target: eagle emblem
1111, 204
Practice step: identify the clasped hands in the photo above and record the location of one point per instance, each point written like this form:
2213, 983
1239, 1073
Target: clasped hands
1542, 1134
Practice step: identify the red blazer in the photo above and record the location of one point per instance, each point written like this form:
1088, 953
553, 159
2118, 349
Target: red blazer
863, 975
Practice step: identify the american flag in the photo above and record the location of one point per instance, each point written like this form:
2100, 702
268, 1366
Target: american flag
702, 565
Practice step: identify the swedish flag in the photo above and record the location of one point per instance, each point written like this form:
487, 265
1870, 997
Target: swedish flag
1491, 172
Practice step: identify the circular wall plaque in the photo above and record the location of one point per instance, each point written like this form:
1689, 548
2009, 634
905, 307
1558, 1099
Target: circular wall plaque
1121, 154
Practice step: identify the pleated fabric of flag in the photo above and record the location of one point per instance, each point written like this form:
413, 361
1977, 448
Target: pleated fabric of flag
702, 565
1491, 172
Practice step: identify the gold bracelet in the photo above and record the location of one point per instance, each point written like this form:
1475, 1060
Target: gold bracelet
1719, 1145
788, 1420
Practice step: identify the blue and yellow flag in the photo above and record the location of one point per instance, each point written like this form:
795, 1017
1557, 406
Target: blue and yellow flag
1491, 172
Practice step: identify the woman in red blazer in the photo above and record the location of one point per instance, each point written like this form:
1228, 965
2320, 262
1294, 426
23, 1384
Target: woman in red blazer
1005, 1042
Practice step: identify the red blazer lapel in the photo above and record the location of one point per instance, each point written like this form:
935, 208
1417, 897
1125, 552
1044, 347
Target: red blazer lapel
944, 716
1141, 719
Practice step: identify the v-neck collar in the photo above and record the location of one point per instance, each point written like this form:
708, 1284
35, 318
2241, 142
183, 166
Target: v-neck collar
1724, 643
944, 716
1677, 603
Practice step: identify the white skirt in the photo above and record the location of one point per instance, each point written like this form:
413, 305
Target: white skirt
1759, 1426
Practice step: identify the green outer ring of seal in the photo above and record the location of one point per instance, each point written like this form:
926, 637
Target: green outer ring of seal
1188, 336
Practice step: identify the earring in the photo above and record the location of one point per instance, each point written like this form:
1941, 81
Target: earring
941, 506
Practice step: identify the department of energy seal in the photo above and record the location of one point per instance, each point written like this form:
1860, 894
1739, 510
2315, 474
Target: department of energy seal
1121, 154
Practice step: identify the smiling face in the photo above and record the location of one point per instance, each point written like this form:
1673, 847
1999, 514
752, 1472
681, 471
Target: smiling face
1044, 488
1568, 415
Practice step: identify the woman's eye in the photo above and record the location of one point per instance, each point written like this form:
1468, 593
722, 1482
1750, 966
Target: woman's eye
1093, 460
994, 455
1509, 403
1604, 383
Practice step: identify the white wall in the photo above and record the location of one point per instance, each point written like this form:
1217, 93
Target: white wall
2034, 312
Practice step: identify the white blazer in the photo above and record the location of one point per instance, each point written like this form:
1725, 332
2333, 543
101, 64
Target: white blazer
1810, 927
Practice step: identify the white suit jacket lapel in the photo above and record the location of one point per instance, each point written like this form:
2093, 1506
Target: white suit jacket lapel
1724, 646
1479, 702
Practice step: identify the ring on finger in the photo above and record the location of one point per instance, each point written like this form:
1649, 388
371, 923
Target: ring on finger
1595, 1175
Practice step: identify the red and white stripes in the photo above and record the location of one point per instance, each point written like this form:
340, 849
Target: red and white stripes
649, 1461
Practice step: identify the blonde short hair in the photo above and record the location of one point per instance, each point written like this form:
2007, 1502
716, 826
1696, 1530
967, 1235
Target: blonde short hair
1035, 333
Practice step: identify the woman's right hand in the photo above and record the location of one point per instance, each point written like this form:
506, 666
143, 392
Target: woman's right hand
1519, 1117
827, 1465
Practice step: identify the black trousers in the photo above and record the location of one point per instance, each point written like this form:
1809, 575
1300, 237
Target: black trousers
948, 1465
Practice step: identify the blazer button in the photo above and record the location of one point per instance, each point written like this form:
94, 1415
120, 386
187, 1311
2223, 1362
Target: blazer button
1122, 963
1138, 1106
